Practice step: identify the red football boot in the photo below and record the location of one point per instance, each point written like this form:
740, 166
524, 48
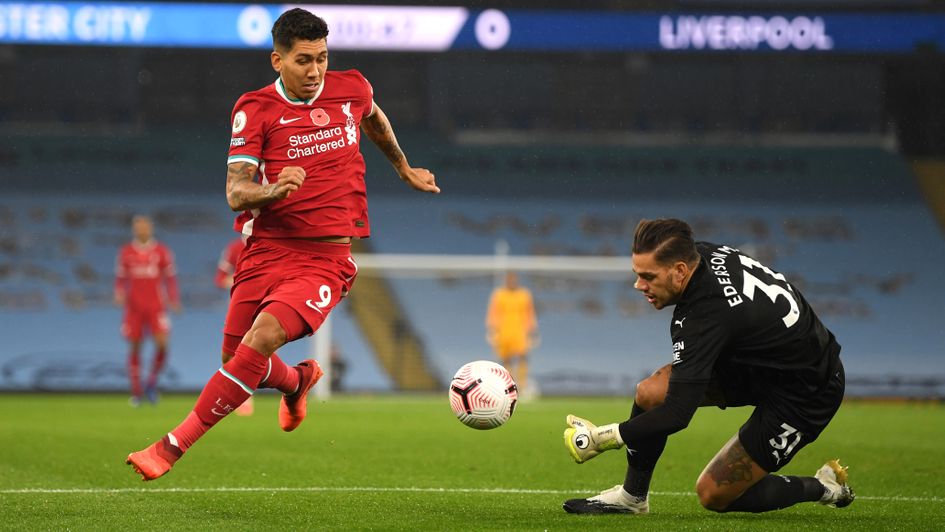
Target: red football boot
292, 407
155, 460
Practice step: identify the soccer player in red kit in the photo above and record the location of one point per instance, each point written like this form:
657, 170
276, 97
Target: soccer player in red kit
300, 136
145, 281
226, 267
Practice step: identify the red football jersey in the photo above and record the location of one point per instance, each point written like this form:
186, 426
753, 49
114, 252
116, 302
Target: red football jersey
226, 267
139, 272
322, 135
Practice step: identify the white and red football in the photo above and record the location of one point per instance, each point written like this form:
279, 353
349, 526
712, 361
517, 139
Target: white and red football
483, 394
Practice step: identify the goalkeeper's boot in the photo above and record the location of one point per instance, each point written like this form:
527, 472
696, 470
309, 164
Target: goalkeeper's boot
586, 440
837, 493
292, 408
613, 501
156, 460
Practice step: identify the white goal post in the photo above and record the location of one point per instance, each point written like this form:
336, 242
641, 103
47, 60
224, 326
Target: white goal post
406, 265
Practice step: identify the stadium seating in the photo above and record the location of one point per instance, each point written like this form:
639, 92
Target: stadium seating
848, 226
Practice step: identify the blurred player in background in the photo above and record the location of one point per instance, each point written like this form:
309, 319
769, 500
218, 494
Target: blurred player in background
512, 328
226, 266
742, 335
301, 137
145, 283
226, 269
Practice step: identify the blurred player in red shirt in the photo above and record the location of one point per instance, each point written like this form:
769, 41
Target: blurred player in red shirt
226, 267
296, 172
145, 283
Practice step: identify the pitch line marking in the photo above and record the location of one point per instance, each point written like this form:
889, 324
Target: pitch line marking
253, 489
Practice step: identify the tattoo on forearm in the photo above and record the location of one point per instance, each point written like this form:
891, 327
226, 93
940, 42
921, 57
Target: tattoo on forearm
393, 152
734, 466
378, 129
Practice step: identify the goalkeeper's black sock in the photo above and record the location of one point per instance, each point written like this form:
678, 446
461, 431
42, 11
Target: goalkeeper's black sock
775, 492
641, 461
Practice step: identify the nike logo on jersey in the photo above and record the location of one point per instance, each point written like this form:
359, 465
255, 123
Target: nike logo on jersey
313, 307
283, 121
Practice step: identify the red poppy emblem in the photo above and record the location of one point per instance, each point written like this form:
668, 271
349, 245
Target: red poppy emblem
319, 117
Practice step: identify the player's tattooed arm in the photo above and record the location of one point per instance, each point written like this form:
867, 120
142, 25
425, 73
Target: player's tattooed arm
377, 127
734, 465
243, 193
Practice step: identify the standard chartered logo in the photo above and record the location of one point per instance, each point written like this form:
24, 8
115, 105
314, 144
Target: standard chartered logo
321, 141
254, 25
743, 33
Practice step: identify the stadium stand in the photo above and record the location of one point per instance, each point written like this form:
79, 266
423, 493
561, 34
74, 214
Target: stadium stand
848, 225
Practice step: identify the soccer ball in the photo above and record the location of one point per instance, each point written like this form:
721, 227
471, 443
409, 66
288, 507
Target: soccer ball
483, 394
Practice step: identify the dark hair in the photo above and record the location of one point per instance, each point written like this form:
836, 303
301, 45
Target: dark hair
297, 24
669, 238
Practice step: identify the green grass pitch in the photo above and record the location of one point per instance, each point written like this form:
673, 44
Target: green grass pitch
405, 463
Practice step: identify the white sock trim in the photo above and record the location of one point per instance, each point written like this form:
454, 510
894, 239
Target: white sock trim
268, 370
239, 383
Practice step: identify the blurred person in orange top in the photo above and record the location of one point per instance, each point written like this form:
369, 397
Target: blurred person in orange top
512, 328
145, 284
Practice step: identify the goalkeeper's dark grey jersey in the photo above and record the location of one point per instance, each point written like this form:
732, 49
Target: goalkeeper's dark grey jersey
737, 314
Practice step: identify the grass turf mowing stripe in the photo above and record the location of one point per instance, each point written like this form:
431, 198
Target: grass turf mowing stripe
896, 498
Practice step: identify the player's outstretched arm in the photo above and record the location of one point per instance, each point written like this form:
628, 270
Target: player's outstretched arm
243, 193
377, 127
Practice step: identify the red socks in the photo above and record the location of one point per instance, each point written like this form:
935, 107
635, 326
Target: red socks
134, 372
160, 356
226, 390
281, 376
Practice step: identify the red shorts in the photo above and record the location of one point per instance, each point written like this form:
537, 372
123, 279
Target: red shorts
310, 277
137, 321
